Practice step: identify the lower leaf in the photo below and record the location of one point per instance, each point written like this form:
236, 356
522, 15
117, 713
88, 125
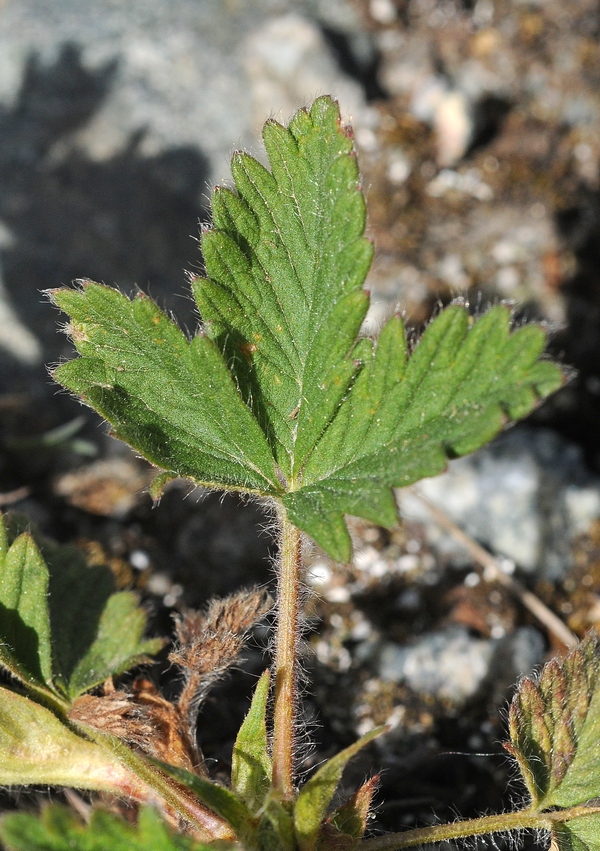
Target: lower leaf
37, 748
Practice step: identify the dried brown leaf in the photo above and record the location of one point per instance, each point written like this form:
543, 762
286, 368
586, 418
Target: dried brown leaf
209, 643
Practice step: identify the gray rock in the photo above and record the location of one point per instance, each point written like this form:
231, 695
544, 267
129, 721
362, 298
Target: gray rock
526, 497
449, 664
453, 666
116, 114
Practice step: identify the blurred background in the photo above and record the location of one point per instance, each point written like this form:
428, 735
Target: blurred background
477, 124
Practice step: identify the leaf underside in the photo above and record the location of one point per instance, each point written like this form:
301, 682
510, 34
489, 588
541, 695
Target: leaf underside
278, 394
555, 729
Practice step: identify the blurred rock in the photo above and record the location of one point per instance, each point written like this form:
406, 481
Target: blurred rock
525, 497
288, 63
453, 666
448, 664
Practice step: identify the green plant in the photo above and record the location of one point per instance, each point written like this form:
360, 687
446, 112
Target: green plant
278, 396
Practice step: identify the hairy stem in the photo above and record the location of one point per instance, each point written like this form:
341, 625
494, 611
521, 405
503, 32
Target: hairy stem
286, 657
149, 783
520, 820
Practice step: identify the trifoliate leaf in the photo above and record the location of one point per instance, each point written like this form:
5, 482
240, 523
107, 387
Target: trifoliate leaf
278, 394
25, 645
316, 795
555, 728
59, 829
37, 748
251, 766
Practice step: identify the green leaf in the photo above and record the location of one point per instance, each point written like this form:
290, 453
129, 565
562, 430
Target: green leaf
286, 262
404, 417
118, 644
170, 398
62, 629
251, 766
59, 829
220, 800
316, 795
278, 394
555, 728
580, 834
25, 646
37, 748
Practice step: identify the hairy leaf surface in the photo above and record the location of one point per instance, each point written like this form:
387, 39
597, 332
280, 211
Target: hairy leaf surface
170, 398
37, 748
59, 829
25, 646
278, 394
251, 766
63, 628
580, 834
405, 416
286, 262
555, 729
316, 795
117, 646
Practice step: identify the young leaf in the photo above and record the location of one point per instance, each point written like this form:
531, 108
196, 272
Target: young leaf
59, 829
251, 763
348, 822
37, 748
278, 395
61, 627
25, 647
316, 795
78, 596
555, 727
117, 646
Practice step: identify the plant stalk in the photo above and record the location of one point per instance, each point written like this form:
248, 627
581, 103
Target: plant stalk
520, 820
286, 657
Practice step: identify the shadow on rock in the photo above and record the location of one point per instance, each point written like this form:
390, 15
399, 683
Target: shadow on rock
128, 220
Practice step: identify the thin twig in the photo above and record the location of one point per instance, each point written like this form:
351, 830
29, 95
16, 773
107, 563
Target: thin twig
493, 571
